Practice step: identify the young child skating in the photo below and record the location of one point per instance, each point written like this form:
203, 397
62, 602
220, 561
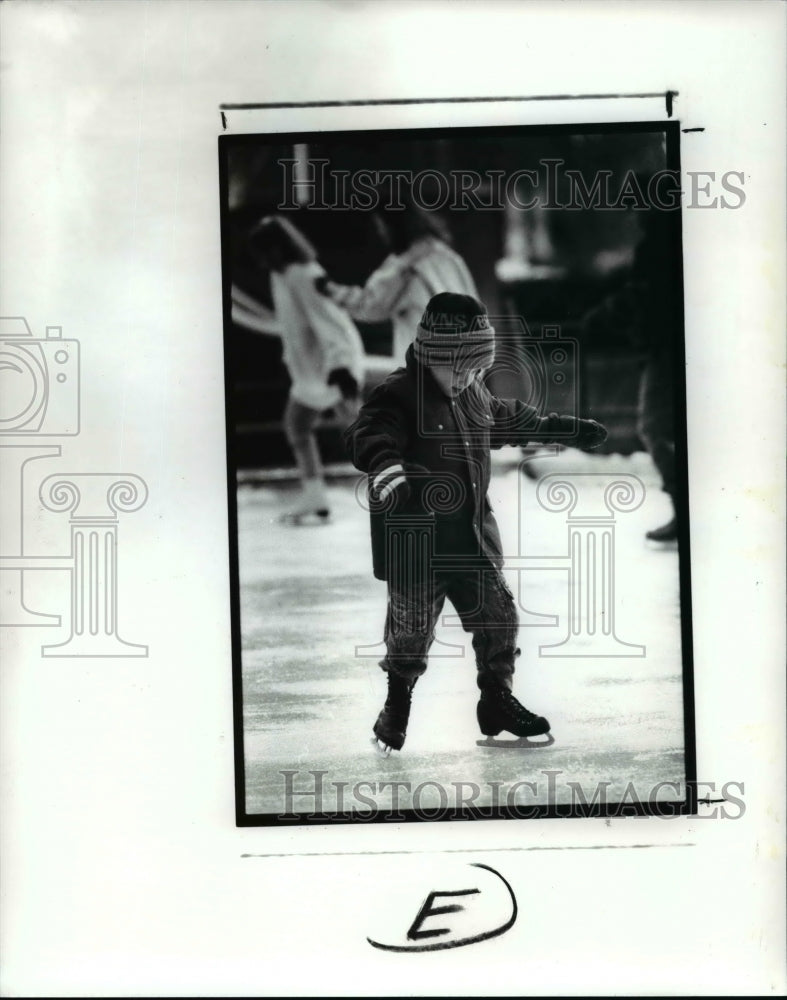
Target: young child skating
424, 438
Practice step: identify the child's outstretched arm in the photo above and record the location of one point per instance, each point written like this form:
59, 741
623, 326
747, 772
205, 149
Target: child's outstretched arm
378, 298
518, 423
253, 315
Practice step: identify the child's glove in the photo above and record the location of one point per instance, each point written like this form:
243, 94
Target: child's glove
345, 380
585, 434
590, 434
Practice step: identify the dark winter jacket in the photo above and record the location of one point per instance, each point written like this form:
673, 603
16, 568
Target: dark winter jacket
443, 445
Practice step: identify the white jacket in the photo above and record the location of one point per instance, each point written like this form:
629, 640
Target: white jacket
401, 287
317, 335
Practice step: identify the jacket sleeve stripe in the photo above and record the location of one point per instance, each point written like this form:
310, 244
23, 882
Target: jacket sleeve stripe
390, 487
382, 476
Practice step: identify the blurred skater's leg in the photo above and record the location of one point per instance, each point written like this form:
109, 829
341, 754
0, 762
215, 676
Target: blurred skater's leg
655, 426
299, 424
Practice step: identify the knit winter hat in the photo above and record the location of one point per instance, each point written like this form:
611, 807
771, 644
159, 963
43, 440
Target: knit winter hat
455, 331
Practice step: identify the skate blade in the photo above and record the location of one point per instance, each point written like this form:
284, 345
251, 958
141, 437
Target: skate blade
518, 743
661, 544
382, 748
307, 519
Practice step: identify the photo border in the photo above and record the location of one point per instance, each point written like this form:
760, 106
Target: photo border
688, 805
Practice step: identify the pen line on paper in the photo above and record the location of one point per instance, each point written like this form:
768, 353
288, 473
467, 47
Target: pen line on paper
669, 95
468, 850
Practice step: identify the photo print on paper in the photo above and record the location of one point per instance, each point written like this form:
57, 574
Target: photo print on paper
456, 433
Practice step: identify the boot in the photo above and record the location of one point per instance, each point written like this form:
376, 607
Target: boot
499, 710
390, 728
666, 533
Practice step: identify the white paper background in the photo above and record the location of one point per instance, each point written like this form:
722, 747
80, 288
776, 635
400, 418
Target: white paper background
123, 873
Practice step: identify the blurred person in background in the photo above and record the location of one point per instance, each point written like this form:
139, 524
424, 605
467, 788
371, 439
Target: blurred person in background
644, 311
420, 264
322, 351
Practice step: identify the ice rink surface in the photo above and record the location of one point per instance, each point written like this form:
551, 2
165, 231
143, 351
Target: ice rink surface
310, 696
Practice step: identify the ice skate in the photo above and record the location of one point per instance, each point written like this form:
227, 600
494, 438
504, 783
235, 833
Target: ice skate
312, 506
526, 465
498, 710
666, 533
303, 517
390, 728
